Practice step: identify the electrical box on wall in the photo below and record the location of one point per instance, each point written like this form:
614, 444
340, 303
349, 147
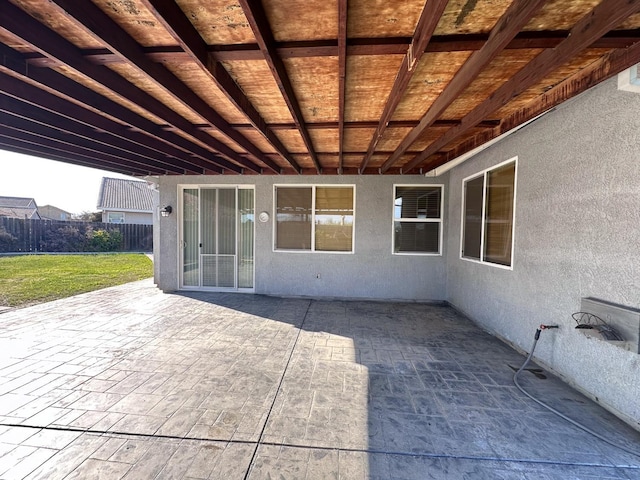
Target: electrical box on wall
624, 321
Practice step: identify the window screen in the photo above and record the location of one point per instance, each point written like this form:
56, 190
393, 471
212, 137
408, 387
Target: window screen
488, 211
472, 230
499, 215
293, 218
334, 219
314, 218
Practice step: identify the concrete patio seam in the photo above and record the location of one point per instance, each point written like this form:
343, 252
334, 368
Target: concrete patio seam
275, 397
369, 451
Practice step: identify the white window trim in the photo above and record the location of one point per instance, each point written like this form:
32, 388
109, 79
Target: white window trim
124, 217
483, 174
418, 220
313, 187
629, 80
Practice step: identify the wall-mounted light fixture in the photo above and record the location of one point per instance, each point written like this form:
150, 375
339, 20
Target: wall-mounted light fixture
166, 211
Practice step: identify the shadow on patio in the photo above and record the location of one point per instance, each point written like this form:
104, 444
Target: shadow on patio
133, 383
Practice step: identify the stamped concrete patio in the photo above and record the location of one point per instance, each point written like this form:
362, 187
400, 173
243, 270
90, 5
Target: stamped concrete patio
129, 382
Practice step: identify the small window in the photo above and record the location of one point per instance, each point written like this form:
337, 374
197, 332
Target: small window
115, 217
488, 215
314, 218
417, 219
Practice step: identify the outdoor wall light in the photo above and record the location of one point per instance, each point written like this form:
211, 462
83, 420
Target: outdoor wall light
166, 211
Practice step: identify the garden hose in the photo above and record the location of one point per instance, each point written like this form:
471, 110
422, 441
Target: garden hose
553, 410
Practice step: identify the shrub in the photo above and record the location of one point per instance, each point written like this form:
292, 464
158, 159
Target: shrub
8, 243
63, 239
103, 240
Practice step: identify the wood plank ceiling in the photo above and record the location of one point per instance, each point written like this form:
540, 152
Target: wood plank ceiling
155, 87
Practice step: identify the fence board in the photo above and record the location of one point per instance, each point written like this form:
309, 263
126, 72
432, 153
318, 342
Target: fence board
24, 235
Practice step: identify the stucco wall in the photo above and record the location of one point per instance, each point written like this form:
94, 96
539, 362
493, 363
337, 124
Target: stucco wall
577, 234
371, 272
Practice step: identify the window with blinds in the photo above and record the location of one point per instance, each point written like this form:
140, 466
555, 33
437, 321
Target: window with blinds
314, 218
488, 215
417, 219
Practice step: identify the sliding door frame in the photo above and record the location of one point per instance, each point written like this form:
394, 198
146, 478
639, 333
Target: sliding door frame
181, 241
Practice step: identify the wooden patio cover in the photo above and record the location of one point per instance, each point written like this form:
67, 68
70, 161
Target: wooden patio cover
154, 87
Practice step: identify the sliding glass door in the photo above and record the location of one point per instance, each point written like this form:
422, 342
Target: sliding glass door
217, 238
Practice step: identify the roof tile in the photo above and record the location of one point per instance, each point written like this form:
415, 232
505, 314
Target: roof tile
123, 194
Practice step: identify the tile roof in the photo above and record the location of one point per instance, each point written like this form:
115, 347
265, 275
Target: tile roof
17, 202
127, 195
18, 212
18, 207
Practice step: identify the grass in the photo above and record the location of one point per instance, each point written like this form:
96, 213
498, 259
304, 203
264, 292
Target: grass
31, 279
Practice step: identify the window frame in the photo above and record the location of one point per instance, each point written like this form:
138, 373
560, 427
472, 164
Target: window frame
116, 213
439, 220
313, 188
484, 174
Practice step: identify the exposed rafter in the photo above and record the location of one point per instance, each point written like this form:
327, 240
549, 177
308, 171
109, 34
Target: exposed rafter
342, 76
97, 24
201, 158
517, 16
175, 21
18, 24
603, 69
182, 87
257, 19
18, 116
427, 23
32, 143
123, 137
604, 17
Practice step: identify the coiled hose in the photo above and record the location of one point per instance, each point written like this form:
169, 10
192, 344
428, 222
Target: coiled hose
553, 410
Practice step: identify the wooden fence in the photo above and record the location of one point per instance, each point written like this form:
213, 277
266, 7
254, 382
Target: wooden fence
23, 235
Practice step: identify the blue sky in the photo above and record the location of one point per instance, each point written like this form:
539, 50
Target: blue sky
70, 187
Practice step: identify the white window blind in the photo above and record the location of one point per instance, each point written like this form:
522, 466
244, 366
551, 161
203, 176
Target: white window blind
417, 219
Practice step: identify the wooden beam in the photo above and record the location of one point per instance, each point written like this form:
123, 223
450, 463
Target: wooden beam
100, 26
41, 145
19, 115
355, 46
512, 21
604, 17
257, 19
342, 76
16, 23
361, 124
128, 139
607, 67
15, 65
397, 45
183, 31
427, 24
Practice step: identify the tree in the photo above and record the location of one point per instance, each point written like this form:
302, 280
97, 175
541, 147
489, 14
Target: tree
87, 216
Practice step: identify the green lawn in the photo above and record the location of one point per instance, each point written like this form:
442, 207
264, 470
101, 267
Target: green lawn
31, 279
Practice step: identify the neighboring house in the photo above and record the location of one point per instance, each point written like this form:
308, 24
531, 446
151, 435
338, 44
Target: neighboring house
49, 212
126, 201
19, 207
